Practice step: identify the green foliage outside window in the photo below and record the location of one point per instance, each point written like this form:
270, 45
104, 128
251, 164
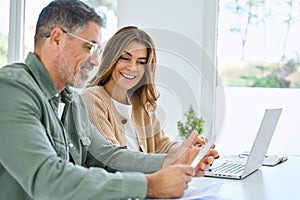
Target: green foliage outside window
260, 55
273, 78
3, 49
111, 4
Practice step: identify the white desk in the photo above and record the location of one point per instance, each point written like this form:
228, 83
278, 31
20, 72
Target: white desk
268, 183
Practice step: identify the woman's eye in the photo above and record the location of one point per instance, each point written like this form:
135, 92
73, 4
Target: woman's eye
141, 62
124, 58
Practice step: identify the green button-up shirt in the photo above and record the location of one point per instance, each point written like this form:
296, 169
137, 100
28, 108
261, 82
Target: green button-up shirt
42, 130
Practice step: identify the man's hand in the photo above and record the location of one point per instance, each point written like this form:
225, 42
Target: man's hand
169, 182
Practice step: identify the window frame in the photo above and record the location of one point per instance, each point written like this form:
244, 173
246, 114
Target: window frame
16, 31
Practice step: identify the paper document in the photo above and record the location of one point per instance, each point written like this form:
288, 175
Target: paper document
208, 191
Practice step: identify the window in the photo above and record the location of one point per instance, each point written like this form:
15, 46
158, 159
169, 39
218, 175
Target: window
257, 43
32, 11
4, 10
105, 8
257, 47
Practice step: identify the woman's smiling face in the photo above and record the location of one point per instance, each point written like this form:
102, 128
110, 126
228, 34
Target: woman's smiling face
130, 67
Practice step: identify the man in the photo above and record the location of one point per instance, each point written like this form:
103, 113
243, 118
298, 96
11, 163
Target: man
48, 147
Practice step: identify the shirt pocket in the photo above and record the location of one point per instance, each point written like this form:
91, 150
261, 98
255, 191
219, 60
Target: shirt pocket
85, 138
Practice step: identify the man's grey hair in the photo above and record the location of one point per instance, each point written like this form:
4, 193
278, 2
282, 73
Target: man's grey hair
71, 15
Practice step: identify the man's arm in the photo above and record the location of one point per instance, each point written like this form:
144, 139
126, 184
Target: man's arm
28, 156
121, 159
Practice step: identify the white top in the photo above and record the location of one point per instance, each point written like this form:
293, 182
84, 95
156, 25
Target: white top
60, 109
130, 134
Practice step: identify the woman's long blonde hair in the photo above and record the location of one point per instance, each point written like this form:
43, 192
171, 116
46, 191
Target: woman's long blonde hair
145, 89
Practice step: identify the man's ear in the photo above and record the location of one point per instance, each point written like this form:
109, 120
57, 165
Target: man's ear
56, 36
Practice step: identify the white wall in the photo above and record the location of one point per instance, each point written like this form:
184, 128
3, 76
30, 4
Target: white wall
185, 36
244, 111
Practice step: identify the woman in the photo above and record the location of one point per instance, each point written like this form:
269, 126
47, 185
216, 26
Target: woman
121, 98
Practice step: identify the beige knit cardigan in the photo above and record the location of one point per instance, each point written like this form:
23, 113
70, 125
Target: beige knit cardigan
110, 123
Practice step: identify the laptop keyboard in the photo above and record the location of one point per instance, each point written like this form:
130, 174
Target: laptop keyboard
232, 168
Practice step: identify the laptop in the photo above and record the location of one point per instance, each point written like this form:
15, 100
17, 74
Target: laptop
235, 169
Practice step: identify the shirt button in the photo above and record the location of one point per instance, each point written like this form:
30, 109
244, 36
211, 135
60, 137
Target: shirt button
124, 121
71, 145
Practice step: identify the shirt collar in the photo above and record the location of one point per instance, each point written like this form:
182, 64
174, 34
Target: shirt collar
41, 76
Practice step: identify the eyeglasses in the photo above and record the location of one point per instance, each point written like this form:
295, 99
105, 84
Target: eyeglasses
95, 49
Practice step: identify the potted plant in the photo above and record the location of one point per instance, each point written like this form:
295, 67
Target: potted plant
193, 122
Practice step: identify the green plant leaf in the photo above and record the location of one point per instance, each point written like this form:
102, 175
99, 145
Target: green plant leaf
193, 122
